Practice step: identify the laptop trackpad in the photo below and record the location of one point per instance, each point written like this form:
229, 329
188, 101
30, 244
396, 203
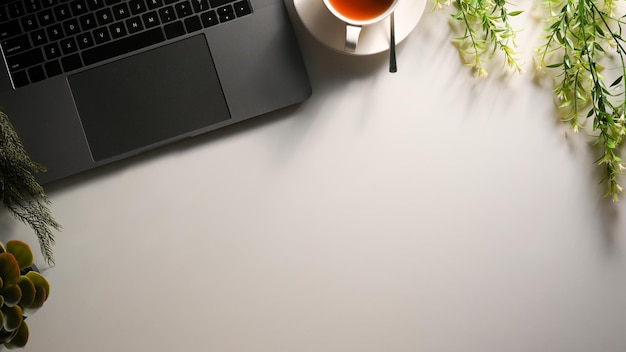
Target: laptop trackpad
148, 98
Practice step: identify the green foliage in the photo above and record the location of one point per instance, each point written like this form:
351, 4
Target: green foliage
486, 30
581, 34
20, 294
20, 192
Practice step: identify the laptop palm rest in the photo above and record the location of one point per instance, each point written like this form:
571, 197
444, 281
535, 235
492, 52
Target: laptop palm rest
148, 98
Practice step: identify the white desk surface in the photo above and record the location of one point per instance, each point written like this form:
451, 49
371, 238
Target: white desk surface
420, 211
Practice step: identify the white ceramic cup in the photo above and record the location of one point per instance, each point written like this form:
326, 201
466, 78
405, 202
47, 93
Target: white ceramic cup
354, 26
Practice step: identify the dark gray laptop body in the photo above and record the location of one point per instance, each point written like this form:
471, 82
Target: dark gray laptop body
177, 88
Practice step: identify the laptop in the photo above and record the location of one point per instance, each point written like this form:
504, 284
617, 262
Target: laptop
90, 82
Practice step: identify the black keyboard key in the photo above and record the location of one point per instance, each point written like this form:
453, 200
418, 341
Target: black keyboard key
53, 68
36, 74
242, 8
174, 29
62, 12
183, 9
68, 45
71, 27
121, 11
193, 24
209, 19
20, 79
112, 2
16, 45
84, 40
123, 46
49, 3
134, 25
52, 51
117, 30
225, 10
227, 17
88, 22
71, 62
95, 4
167, 2
200, 5
218, 3
10, 29
150, 19
79, 7
4, 15
45, 17
101, 35
29, 23
55, 32
39, 37
167, 14
137, 6
16, 9
32, 5
25, 59
153, 4
104, 16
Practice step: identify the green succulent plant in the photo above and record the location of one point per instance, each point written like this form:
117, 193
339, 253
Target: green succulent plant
22, 292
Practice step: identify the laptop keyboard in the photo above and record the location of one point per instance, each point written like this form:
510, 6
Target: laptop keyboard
45, 38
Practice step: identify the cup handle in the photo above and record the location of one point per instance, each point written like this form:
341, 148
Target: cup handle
352, 37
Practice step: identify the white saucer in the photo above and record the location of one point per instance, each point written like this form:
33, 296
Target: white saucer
330, 31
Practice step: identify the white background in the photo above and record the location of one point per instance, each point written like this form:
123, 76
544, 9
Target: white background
425, 210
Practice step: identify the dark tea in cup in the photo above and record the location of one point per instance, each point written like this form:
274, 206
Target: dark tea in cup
358, 13
361, 10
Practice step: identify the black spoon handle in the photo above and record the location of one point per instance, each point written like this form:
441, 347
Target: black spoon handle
393, 67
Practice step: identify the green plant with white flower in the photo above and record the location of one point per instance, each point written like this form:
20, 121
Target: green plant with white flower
486, 30
583, 38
